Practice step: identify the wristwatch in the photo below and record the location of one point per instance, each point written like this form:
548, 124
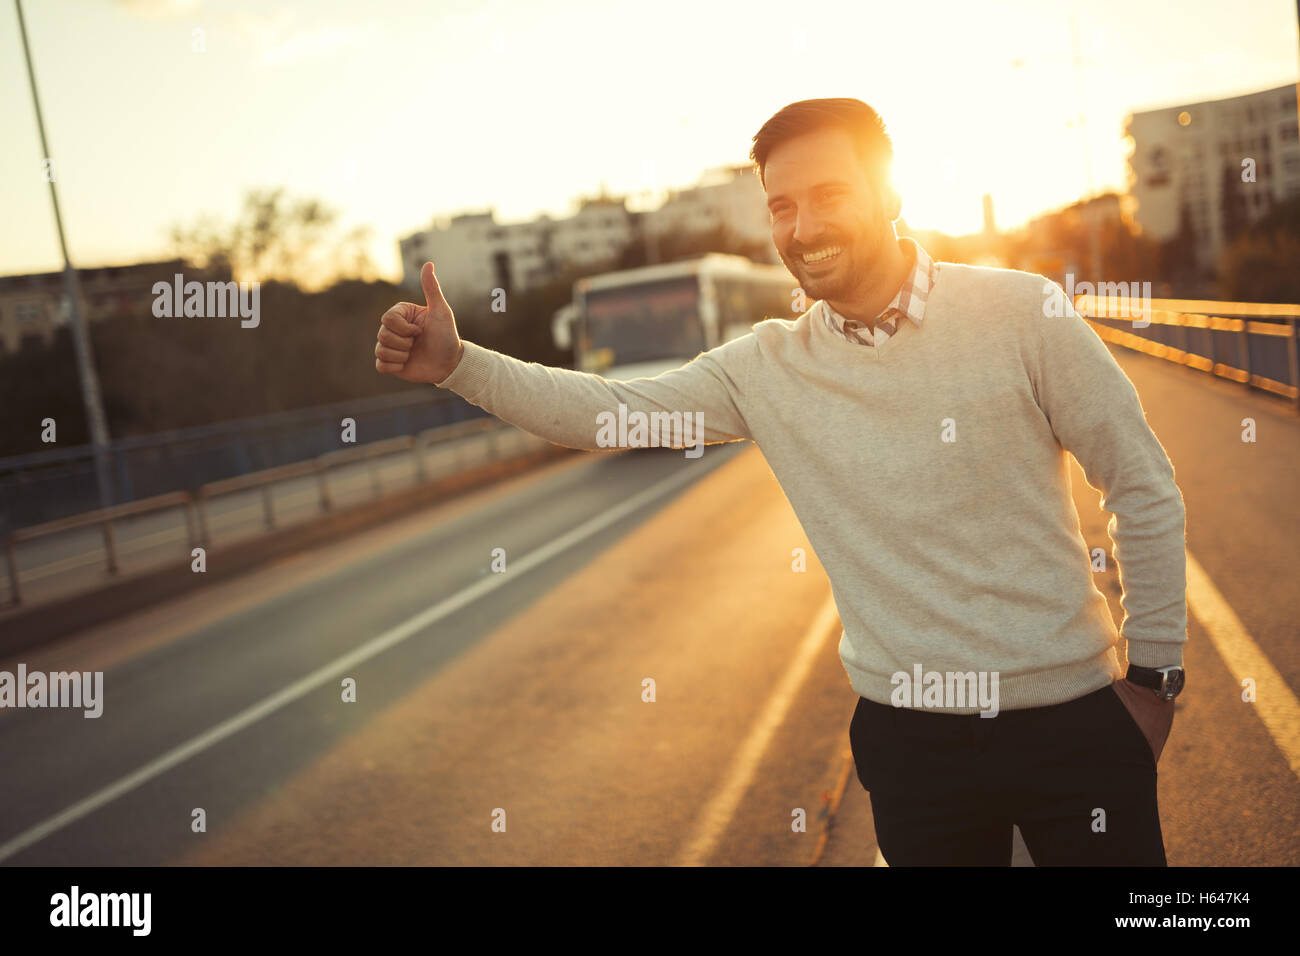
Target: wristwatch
1165, 682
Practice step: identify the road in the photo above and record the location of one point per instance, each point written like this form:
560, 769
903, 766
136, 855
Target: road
500, 717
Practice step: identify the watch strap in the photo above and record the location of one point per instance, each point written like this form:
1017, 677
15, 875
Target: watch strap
1145, 677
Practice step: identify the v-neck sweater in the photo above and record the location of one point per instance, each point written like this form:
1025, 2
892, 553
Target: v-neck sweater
931, 476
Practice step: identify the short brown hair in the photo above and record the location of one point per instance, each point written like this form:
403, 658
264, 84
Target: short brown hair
855, 117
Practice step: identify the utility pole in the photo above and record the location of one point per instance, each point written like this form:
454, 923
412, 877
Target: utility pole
90, 394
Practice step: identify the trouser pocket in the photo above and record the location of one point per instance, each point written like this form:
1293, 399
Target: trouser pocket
870, 731
1129, 728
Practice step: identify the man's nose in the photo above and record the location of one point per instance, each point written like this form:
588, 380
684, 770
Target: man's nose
807, 228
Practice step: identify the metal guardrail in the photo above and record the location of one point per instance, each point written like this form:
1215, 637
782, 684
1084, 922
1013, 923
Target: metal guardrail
265, 480
59, 481
196, 504
104, 517
1241, 319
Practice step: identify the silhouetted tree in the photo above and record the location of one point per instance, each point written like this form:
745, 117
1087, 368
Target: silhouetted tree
1260, 265
274, 237
1178, 257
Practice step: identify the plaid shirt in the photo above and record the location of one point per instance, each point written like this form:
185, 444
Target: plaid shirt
910, 301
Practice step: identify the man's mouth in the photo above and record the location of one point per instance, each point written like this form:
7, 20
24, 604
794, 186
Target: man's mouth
819, 256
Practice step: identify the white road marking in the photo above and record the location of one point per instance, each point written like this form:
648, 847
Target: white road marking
1274, 703
342, 665
717, 814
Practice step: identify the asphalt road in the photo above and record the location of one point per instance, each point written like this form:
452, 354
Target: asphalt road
500, 717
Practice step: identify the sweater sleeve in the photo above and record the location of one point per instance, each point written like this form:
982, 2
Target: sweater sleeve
581, 410
1094, 410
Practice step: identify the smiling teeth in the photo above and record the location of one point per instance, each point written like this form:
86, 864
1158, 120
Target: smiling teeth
822, 255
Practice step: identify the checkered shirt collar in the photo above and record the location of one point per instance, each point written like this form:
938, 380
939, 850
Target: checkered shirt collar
911, 296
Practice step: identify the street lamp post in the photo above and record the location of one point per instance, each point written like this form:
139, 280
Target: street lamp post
90, 393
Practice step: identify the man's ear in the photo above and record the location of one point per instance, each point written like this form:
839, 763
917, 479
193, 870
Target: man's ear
893, 202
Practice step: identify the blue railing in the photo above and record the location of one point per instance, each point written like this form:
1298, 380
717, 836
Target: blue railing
1248, 342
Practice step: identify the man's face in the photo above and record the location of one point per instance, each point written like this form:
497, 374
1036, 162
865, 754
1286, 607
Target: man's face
821, 199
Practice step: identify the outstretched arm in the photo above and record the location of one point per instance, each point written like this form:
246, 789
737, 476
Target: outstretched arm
696, 403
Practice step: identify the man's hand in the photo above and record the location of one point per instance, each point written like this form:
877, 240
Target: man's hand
1154, 716
419, 343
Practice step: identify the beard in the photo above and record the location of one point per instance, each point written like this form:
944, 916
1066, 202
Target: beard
844, 274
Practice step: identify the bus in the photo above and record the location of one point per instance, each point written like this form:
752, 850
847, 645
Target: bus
637, 323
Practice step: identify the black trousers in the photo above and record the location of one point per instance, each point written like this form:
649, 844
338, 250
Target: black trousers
1078, 779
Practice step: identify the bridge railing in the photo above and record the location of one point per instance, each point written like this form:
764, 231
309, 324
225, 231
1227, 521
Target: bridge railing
462, 444
60, 481
1248, 342
105, 518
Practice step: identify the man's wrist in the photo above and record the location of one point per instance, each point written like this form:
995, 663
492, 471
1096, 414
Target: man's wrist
460, 354
1166, 681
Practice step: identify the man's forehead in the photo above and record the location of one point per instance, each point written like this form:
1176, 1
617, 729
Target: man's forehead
818, 158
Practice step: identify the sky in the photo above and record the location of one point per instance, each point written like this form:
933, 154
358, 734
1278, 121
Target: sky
395, 111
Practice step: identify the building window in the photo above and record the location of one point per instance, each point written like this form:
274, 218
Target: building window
27, 312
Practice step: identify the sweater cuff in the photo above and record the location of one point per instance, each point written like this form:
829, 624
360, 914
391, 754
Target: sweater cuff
1156, 653
470, 372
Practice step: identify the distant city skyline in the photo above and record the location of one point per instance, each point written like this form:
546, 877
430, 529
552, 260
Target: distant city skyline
395, 113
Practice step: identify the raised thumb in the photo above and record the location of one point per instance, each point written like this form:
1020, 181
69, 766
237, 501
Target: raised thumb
432, 291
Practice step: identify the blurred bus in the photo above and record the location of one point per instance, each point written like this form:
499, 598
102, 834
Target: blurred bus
639, 322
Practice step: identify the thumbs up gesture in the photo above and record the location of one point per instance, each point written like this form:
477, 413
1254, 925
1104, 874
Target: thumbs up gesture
419, 343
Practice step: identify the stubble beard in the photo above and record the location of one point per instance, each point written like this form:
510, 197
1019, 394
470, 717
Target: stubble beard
861, 249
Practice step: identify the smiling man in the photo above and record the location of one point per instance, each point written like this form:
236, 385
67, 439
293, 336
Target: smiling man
918, 417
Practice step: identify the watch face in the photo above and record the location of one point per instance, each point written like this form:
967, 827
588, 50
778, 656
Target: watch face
1174, 680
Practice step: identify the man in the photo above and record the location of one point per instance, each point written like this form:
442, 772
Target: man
917, 417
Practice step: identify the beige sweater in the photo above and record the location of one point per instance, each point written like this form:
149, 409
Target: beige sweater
930, 475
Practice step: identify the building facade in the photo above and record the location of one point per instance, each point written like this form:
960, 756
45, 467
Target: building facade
476, 255
33, 307
730, 197
1190, 162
